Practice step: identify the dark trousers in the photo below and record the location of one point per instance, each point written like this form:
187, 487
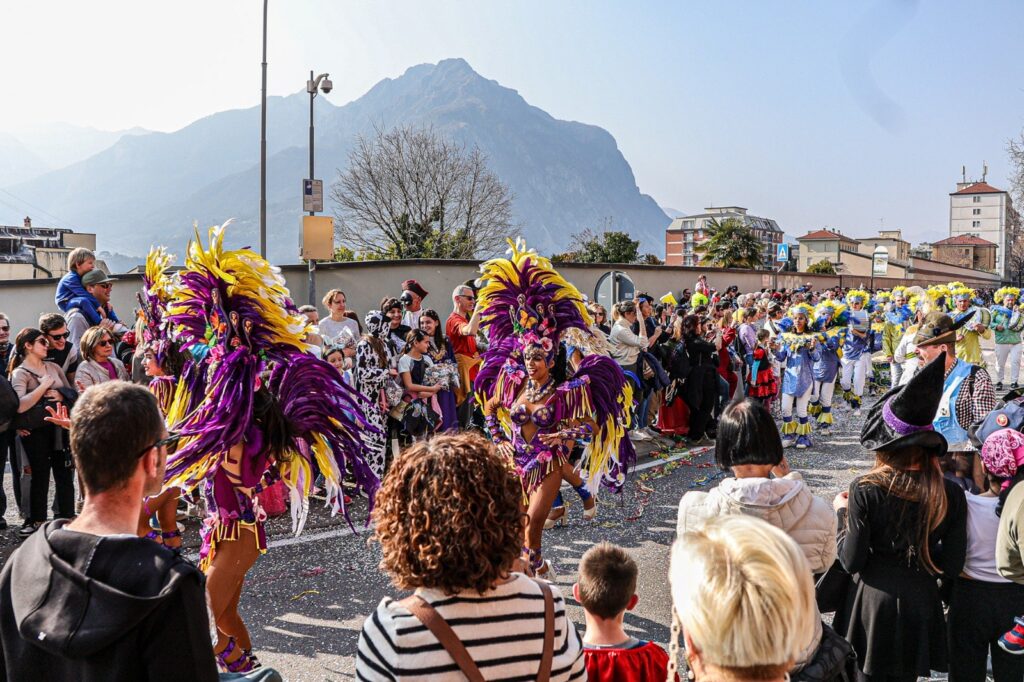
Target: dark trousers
862, 677
700, 392
43, 457
9, 454
979, 613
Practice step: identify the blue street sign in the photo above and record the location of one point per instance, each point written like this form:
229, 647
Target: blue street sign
782, 254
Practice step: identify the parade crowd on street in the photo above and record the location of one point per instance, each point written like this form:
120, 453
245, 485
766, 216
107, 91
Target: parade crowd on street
221, 400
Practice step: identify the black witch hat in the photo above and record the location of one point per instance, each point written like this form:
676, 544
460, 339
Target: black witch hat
903, 416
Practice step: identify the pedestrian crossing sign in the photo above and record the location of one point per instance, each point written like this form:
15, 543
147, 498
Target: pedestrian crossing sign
782, 253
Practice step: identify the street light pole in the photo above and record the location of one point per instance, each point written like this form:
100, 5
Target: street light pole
263, 143
321, 82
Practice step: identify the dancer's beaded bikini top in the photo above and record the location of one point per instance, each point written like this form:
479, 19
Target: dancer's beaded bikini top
544, 416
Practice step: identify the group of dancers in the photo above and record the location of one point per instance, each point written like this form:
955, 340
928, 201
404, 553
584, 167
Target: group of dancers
852, 339
252, 407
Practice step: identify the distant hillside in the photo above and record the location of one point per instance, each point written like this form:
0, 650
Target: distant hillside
565, 176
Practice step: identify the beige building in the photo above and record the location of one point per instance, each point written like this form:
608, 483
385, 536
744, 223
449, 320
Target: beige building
892, 240
979, 209
30, 252
685, 233
967, 251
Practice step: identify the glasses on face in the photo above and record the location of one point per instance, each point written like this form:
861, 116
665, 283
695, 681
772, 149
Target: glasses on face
471, 298
105, 342
171, 439
42, 340
5, 329
105, 286
59, 337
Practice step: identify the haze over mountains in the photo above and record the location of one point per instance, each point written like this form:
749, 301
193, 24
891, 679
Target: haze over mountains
149, 187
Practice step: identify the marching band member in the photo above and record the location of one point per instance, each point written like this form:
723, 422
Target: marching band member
799, 349
1007, 322
856, 359
968, 340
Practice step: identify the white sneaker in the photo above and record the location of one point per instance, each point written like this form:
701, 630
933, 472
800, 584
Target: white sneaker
638, 434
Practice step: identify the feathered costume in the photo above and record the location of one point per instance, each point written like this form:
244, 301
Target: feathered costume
830, 325
525, 303
1007, 323
969, 336
231, 311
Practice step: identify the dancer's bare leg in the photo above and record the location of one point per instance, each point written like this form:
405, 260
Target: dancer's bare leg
224, 580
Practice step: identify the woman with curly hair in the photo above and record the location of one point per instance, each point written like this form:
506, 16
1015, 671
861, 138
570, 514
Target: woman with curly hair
462, 571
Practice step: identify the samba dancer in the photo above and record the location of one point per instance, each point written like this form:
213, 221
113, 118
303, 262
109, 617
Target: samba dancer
534, 416
270, 409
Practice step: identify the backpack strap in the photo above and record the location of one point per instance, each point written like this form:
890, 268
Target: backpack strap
428, 615
544, 672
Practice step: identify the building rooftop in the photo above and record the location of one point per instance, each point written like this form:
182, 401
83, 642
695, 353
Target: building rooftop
826, 235
978, 188
964, 240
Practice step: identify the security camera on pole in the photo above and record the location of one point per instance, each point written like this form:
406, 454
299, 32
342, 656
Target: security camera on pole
317, 233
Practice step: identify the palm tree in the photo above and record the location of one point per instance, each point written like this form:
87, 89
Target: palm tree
731, 244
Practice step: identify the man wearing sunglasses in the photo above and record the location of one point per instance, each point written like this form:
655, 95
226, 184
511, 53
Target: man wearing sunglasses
97, 283
89, 599
62, 352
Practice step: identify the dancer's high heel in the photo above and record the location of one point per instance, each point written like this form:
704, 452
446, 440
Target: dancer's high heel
589, 502
555, 519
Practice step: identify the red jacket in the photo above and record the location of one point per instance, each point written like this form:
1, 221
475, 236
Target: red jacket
646, 662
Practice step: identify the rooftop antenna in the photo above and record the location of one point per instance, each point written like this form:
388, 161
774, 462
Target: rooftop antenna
963, 174
984, 170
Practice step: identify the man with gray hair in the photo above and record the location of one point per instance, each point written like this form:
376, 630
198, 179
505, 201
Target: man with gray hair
461, 329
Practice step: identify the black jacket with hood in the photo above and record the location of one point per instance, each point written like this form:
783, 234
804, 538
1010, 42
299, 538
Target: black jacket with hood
81, 607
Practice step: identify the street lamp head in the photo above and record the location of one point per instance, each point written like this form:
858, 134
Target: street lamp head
326, 86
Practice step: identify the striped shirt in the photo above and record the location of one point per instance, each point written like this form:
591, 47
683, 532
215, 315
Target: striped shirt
503, 630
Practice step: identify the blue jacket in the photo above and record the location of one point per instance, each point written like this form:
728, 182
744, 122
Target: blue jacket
71, 294
799, 375
826, 367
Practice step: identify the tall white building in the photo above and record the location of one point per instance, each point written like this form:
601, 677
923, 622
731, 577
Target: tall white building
979, 209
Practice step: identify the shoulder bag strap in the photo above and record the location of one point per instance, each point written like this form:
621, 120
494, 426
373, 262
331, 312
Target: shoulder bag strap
428, 615
544, 672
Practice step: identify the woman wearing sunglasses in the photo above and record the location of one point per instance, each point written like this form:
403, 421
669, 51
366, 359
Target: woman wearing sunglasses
99, 364
40, 384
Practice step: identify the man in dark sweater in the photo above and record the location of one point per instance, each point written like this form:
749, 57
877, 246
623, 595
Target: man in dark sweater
88, 599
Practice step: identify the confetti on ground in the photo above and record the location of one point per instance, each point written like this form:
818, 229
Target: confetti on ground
316, 570
302, 594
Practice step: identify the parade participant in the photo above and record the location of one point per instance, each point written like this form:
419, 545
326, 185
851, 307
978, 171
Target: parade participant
898, 317
906, 349
968, 341
1007, 323
533, 415
799, 350
461, 328
270, 409
967, 391
830, 324
856, 359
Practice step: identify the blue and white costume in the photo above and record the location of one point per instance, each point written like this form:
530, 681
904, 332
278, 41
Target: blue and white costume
856, 360
830, 327
800, 352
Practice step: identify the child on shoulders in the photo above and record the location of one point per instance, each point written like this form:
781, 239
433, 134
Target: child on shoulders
71, 293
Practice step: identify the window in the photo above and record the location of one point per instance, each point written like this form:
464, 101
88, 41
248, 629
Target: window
976, 211
975, 223
976, 199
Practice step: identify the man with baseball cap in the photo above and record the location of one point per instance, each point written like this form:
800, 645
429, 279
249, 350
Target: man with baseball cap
967, 391
99, 284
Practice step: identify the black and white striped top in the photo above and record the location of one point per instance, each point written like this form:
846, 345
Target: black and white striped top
503, 630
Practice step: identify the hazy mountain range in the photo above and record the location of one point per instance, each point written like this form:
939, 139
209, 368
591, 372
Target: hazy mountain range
140, 187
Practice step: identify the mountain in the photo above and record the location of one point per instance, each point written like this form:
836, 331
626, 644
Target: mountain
18, 162
62, 144
673, 213
565, 176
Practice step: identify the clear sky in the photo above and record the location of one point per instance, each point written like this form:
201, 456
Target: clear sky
844, 114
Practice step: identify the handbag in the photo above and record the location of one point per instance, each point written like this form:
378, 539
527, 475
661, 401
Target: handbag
35, 416
834, 659
832, 587
426, 614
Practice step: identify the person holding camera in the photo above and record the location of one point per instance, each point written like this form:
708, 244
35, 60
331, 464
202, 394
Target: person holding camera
40, 384
412, 302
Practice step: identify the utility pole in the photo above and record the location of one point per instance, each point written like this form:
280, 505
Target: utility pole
263, 143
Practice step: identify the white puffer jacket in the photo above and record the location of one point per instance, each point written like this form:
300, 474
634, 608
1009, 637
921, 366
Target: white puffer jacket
785, 502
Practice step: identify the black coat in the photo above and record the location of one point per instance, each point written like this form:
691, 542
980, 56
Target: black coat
893, 614
75, 606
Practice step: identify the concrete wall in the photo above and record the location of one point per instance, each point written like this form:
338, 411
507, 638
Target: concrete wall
366, 283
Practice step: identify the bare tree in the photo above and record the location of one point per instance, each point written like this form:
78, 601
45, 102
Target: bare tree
1014, 224
410, 193
1015, 149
